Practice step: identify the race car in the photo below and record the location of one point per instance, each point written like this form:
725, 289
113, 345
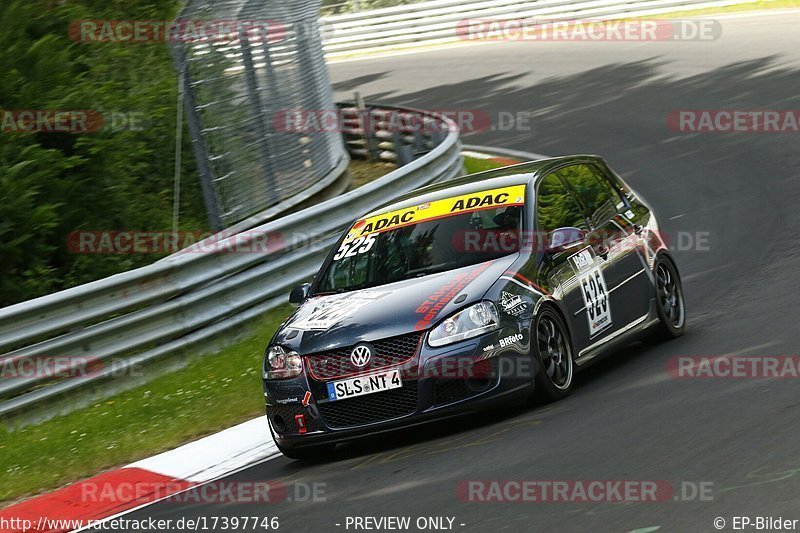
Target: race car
493, 287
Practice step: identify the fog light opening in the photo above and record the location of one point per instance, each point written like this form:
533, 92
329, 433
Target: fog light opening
478, 384
278, 423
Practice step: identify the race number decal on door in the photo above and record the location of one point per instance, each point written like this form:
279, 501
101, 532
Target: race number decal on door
593, 290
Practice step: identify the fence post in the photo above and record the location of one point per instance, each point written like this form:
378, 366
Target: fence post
198, 145
260, 116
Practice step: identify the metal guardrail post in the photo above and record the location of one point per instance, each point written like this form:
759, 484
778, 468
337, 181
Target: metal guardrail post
367, 128
403, 151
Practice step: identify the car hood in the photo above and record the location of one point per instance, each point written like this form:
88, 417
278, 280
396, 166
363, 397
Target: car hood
333, 321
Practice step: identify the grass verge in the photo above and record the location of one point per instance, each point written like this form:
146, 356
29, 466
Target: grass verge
473, 165
209, 394
364, 172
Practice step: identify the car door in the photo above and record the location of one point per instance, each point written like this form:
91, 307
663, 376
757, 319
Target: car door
571, 271
615, 243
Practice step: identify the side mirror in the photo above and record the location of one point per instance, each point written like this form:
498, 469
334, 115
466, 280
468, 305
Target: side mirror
299, 294
563, 238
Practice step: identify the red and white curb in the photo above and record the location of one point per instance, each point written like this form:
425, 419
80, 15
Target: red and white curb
143, 482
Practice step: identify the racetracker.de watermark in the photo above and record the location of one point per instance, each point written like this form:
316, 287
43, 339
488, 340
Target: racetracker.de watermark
734, 367
113, 242
504, 241
589, 30
63, 367
350, 120
72, 121
177, 31
582, 491
216, 492
734, 121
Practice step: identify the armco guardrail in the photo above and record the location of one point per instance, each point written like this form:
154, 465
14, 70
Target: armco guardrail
387, 134
438, 20
191, 296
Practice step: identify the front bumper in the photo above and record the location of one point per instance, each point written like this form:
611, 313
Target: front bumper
438, 383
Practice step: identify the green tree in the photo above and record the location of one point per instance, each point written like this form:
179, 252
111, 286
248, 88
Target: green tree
53, 184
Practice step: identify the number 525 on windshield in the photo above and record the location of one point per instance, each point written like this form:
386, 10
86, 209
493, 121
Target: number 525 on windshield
358, 245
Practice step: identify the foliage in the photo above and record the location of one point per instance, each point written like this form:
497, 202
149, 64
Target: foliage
52, 184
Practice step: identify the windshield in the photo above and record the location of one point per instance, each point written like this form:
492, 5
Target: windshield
426, 239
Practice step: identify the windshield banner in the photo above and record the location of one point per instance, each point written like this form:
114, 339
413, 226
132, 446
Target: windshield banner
456, 205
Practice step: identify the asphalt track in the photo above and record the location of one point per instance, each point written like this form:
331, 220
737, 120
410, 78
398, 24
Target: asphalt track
627, 419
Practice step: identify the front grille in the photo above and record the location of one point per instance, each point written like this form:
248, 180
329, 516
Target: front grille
385, 353
371, 408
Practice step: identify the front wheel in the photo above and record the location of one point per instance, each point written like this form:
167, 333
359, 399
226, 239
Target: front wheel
669, 300
553, 349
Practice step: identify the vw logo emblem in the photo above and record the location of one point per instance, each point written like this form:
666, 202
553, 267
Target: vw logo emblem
360, 356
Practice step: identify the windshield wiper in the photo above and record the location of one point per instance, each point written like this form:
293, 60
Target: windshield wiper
424, 271
340, 290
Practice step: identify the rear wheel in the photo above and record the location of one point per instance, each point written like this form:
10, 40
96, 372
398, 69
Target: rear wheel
553, 349
669, 300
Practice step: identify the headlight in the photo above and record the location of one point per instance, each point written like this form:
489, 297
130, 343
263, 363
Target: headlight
467, 323
280, 363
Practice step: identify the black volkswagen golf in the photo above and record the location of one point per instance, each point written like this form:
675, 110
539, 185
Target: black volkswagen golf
492, 287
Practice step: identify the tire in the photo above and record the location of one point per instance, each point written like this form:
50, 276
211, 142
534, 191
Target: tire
552, 348
669, 300
311, 453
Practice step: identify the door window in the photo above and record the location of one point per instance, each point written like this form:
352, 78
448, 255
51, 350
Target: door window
593, 190
556, 207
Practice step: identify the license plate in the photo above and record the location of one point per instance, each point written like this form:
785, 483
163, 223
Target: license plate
369, 384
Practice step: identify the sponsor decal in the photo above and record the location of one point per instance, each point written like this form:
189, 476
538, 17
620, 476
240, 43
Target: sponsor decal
593, 290
429, 309
512, 304
285, 401
326, 311
306, 398
503, 196
511, 339
488, 348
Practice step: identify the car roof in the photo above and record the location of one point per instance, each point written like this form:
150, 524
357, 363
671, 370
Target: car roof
522, 173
